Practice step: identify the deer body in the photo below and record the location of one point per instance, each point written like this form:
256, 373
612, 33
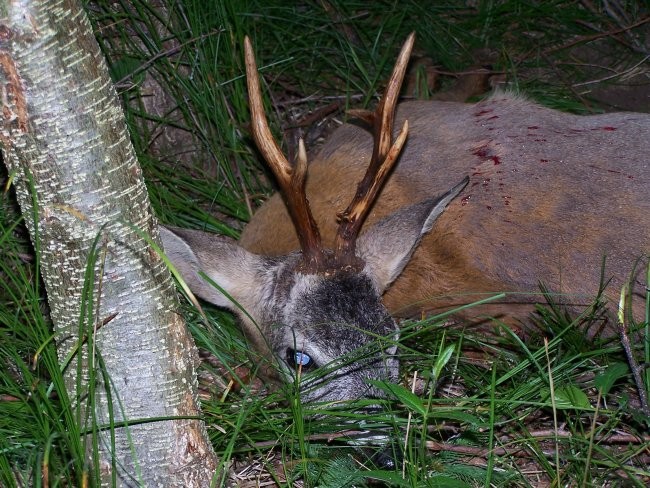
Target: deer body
549, 195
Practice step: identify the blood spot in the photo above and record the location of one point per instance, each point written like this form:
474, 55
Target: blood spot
483, 112
481, 152
484, 153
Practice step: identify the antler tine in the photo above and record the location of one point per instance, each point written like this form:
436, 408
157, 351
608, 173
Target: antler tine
384, 156
290, 179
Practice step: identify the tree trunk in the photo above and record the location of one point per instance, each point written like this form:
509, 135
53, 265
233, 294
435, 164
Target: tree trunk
81, 190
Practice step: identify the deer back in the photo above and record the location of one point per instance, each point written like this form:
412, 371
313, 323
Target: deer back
550, 195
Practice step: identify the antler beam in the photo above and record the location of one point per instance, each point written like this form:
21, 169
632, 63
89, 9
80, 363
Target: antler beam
290, 179
384, 155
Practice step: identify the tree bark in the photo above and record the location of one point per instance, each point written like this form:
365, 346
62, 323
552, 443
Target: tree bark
78, 182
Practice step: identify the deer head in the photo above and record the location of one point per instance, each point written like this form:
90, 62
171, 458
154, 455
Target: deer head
317, 309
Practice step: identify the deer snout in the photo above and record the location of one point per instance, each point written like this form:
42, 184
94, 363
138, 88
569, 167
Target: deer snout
388, 458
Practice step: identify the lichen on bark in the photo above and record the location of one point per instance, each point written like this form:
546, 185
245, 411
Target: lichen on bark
81, 191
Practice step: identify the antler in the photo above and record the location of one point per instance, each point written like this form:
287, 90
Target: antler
384, 156
290, 179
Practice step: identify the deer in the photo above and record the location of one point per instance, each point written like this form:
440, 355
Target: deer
454, 202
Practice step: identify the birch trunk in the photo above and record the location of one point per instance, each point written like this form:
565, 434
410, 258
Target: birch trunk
77, 179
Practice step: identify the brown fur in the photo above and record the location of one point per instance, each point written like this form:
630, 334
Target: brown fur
549, 194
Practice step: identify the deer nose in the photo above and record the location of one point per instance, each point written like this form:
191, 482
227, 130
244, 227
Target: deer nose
388, 458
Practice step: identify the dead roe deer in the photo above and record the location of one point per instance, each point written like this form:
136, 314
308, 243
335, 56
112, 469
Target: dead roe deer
549, 196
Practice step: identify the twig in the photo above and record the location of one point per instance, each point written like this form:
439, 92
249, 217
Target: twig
593, 37
615, 75
623, 332
408, 424
163, 54
316, 115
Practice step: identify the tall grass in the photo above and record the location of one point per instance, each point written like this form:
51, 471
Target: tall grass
40, 435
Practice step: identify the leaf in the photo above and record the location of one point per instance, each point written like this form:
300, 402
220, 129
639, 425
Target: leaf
442, 414
442, 481
442, 361
567, 397
611, 375
404, 395
392, 477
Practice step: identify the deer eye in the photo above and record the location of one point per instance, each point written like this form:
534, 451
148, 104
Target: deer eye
299, 360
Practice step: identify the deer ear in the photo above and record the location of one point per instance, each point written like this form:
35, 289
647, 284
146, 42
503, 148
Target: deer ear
388, 245
235, 270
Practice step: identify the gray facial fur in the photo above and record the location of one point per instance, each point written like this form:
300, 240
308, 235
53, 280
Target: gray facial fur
339, 321
333, 322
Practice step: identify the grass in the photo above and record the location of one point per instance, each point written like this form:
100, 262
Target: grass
470, 410
40, 436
